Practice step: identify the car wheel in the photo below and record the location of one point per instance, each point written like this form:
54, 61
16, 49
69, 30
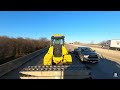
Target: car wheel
75, 55
83, 62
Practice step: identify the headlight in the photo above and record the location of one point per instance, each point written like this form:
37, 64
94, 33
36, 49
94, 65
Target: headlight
86, 56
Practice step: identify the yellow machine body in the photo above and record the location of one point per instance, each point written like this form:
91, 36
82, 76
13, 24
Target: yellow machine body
50, 58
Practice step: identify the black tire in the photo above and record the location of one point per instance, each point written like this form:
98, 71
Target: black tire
83, 62
75, 55
53, 63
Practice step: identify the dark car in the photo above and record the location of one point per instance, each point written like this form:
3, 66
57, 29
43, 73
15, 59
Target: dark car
86, 54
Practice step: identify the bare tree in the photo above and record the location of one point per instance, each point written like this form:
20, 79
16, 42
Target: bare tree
76, 42
17, 47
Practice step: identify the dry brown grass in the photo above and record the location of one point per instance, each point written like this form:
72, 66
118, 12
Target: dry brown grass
110, 54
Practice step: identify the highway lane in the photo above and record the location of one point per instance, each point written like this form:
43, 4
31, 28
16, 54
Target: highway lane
102, 70
105, 69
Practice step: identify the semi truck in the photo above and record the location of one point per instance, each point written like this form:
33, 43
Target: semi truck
112, 44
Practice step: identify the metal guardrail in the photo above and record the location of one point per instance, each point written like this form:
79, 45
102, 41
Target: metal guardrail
7, 67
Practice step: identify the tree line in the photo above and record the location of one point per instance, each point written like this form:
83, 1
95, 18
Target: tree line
17, 47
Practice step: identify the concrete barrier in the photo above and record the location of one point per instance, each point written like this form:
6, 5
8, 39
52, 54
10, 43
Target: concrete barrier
7, 67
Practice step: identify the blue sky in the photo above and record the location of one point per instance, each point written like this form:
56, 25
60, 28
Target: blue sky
83, 26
